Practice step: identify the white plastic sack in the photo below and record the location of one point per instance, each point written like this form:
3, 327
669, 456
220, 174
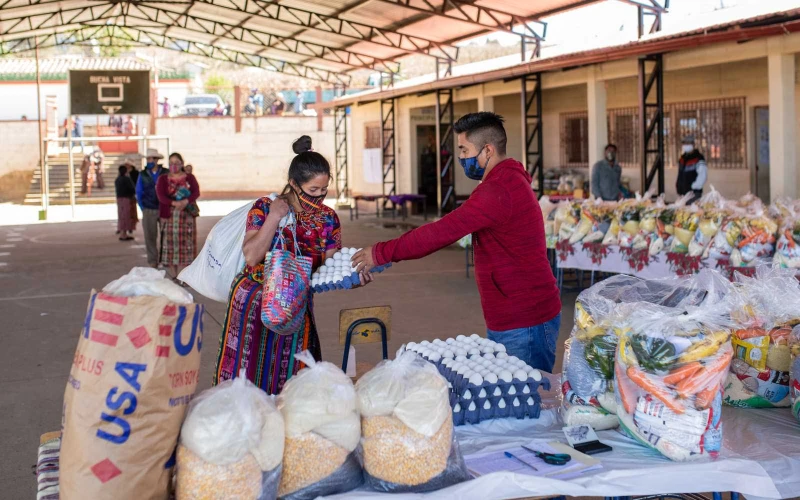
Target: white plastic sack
221, 258
148, 281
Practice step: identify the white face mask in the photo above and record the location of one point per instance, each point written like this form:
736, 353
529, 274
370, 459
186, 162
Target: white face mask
687, 148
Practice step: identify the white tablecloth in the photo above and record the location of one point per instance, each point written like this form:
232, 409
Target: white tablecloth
760, 459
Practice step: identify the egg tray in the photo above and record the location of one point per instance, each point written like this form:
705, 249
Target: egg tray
347, 282
523, 411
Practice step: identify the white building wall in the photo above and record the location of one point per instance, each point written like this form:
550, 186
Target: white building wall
19, 143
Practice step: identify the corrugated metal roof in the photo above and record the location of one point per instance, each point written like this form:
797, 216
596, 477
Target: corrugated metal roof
60, 66
564, 56
212, 21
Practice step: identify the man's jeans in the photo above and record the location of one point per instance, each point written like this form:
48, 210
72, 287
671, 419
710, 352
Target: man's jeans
535, 345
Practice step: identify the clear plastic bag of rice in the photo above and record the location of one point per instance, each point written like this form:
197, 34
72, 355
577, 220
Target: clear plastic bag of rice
231, 445
323, 430
408, 443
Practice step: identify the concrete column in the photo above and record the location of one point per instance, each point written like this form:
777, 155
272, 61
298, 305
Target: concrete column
782, 128
485, 103
598, 123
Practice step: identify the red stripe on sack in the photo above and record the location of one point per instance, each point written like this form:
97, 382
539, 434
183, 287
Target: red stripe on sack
103, 338
162, 351
139, 337
164, 330
113, 298
170, 311
108, 317
105, 470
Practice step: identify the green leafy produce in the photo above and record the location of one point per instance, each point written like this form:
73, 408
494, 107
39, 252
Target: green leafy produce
654, 354
600, 355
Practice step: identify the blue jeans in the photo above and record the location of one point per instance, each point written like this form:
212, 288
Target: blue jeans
535, 345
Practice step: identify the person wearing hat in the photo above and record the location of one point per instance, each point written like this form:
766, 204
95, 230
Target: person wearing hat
692, 170
148, 202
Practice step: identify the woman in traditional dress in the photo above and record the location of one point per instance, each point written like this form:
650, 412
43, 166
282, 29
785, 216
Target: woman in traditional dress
177, 195
268, 359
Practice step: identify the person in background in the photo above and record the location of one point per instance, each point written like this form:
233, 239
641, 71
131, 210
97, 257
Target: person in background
86, 168
520, 299
607, 176
218, 111
228, 108
258, 102
177, 196
133, 169
129, 126
279, 107
97, 165
77, 130
148, 202
24, 118
126, 204
268, 359
165, 107
692, 170
189, 169
298, 103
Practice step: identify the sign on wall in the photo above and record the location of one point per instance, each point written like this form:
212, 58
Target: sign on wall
99, 92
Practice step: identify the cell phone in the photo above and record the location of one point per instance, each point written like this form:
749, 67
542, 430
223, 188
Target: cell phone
592, 447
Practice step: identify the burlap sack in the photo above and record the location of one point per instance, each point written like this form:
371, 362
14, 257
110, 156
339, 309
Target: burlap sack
134, 373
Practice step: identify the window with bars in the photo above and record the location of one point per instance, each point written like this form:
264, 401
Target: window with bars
372, 135
574, 139
718, 126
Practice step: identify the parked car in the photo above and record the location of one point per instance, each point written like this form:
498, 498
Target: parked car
200, 104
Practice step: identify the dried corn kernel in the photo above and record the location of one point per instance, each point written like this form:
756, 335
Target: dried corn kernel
397, 454
201, 480
307, 459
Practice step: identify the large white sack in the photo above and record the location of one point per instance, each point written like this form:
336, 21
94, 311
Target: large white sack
150, 282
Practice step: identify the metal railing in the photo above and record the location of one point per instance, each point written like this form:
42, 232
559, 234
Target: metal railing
70, 141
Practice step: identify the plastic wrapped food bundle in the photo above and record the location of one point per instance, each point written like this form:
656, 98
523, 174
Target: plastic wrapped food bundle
769, 307
794, 372
231, 445
685, 223
588, 382
567, 218
595, 220
669, 371
628, 217
787, 249
408, 443
714, 210
323, 430
746, 238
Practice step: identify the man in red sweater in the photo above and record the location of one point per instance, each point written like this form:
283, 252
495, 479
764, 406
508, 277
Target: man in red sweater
520, 299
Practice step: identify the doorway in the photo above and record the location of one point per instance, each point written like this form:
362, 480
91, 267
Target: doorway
762, 153
426, 162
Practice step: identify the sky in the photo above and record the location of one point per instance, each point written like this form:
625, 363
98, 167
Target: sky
618, 19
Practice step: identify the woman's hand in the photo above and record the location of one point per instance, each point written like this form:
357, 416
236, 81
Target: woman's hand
363, 261
278, 209
364, 279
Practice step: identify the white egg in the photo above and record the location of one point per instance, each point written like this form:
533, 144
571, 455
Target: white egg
460, 338
457, 408
491, 378
497, 392
462, 370
475, 336
488, 356
526, 389
448, 354
337, 278
472, 406
461, 358
460, 352
448, 362
487, 350
474, 352
506, 376
513, 359
512, 391
467, 394
424, 342
476, 379
501, 355
329, 262
322, 269
501, 403
484, 373
487, 405
468, 373
521, 375
499, 348
516, 402
450, 341
535, 374
435, 357
337, 257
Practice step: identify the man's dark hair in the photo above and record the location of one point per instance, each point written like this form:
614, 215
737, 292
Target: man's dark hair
483, 128
609, 145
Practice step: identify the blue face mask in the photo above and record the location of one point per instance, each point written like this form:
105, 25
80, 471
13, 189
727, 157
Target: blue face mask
151, 164
472, 167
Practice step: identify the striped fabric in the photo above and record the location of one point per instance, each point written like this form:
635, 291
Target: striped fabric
178, 239
47, 467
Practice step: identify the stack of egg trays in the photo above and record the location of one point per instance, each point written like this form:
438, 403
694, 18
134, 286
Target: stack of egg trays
463, 394
347, 282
